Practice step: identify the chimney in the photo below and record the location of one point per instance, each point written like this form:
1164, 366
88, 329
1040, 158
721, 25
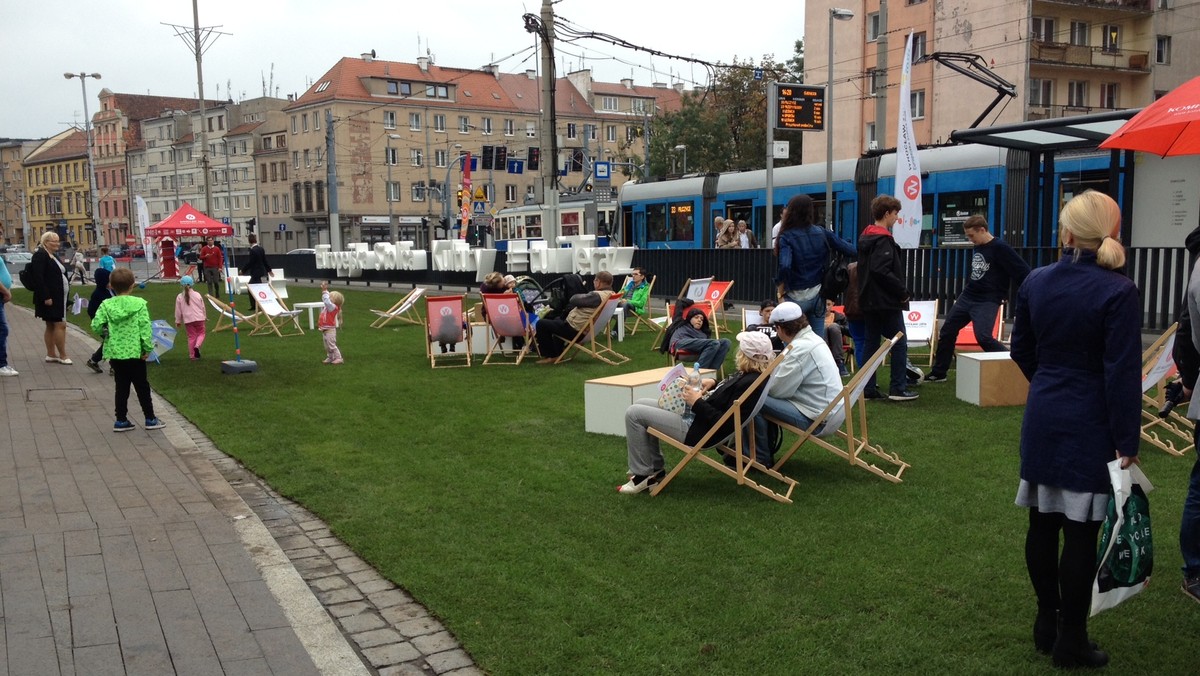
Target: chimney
660, 85
291, 97
678, 87
531, 74
423, 62
627, 83
368, 56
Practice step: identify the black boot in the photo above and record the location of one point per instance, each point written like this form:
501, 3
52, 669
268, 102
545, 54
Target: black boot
1072, 650
1045, 630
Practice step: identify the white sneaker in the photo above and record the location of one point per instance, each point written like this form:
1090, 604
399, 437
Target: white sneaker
8, 371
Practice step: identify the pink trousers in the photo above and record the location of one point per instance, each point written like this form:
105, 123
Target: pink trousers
331, 349
195, 333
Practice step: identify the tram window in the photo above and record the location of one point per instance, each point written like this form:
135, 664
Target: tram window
533, 226
683, 223
953, 210
570, 222
656, 222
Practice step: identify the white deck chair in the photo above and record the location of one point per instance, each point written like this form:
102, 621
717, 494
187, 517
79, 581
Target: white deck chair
585, 339
1173, 433
405, 310
226, 315
920, 327
276, 317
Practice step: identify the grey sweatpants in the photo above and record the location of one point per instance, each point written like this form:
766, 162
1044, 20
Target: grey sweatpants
645, 457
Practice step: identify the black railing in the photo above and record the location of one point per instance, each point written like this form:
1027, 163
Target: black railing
933, 274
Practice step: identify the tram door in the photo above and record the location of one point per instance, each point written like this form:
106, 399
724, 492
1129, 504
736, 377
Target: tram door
743, 210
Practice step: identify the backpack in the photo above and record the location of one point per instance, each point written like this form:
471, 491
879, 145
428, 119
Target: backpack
837, 276
26, 277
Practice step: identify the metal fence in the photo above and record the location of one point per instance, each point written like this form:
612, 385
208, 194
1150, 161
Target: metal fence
933, 274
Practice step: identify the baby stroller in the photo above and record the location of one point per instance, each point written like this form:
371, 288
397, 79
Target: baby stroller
553, 300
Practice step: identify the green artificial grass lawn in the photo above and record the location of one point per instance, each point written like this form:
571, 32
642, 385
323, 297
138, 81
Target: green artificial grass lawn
479, 492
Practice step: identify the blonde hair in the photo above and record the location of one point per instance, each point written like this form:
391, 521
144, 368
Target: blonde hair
751, 364
336, 298
494, 279
1092, 218
47, 235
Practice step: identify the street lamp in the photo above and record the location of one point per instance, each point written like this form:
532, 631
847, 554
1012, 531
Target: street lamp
840, 15
388, 189
683, 148
87, 127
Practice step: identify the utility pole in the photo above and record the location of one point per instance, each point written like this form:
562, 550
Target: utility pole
204, 161
881, 66
331, 186
549, 136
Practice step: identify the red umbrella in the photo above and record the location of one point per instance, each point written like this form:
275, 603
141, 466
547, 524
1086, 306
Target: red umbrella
1169, 126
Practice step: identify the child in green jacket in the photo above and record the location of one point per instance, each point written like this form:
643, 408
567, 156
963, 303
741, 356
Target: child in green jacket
126, 321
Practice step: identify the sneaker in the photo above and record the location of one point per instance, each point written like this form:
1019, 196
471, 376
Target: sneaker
93, 366
902, 395
197, 351
1191, 588
935, 378
843, 371
337, 361
123, 426
873, 394
326, 360
154, 424
637, 484
7, 371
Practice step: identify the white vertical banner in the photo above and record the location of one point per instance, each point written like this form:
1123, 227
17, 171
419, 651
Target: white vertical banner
907, 230
143, 221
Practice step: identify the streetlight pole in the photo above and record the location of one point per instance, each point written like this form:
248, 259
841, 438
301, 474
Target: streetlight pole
228, 183
388, 189
840, 15
683, 147
87, 127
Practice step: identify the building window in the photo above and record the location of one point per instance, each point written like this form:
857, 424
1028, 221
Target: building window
414, 121
437, 91
316, 123
610, 133
510, 193
389, 119
1079, 33
439, 122
1077, 93
877, 80
390, 155
320, 196
1162, 49
873, 26
530, 129
1042, 29
1112, 38
917, 103
393, 87
418, 192
508, 128
918, 50
608, 103
304, 121
439, 158
266, 204
589, 132
296, 159
1041, 92
1164, 4
393, 192
415, 157
1109, 95
872, 142
486, 125
307, 161
572, 133
464, 124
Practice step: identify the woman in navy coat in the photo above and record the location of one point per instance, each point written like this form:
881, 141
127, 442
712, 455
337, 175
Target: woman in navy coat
1077, 338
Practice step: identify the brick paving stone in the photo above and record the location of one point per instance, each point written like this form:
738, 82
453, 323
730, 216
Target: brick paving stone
351, 564
362, 622
330, 583
407, 669
404, 613
378, 637
302, 553
389, 598
419, 627
339, 551
448, 661
435, 643
393, 653
379, 584
335, 596
347, 609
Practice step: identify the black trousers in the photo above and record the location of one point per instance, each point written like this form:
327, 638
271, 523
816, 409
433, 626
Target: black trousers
131, 372
1062, 582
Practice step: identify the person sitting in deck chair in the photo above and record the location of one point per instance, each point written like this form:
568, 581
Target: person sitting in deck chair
695, 337
583, 306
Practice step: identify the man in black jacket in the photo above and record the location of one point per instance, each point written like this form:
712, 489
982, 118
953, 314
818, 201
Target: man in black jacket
256, 266
883, 294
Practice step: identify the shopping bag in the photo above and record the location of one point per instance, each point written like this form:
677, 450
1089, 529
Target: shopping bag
77, 304
1126, 555
671, 399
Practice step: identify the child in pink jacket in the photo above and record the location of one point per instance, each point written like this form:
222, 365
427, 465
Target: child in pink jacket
329, 321
190, 312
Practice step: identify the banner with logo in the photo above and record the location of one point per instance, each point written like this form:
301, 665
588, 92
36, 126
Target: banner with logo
143, 224
907, 230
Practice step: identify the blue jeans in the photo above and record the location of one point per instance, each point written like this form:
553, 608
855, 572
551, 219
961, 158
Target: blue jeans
858, 335
712, 352
780, 409
1189, 527
887, 323
982, 315
3, 336
813, 309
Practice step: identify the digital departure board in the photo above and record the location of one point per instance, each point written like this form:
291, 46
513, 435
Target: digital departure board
799, 107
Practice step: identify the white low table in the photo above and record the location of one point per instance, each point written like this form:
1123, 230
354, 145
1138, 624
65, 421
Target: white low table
990, 379
605, 399
316, 305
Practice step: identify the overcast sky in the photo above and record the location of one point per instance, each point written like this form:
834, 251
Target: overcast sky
126, 42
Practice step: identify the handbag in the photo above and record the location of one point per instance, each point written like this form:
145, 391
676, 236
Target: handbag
1126, 544
837, 276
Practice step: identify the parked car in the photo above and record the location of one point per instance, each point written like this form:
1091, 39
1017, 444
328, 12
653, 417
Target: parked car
16, 262
118, 251
301, 252
136, 251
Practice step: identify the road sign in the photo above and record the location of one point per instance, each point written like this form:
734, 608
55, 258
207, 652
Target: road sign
780, 149
603, 170
799, 107
283, 227
225, 220
478, 207
516, 166
479, 194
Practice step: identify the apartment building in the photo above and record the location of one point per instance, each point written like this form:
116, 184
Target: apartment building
1063, 57
12, 190
280, 231
57, 189
417, 120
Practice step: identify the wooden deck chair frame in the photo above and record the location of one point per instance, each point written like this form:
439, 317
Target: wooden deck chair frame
644, 317
226, 314
405, 310
433, 309
1173, 434
284, 323
715, 295
847, 416
741, 425
585, 338
933, 333
507, 319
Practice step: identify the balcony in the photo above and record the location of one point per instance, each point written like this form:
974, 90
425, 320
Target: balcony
1065, 54
1136, 6
1037, 112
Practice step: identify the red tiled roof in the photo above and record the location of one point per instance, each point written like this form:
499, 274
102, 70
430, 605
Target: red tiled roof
67, 145
142, 106
244, 128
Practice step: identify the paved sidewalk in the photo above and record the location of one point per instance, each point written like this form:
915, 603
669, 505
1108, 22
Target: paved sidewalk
151, 552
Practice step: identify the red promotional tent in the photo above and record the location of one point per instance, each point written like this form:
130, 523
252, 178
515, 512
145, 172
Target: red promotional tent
187, 222
1169, 126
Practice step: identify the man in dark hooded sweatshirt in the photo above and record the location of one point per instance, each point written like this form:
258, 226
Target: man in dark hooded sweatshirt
1187, 360
883, 295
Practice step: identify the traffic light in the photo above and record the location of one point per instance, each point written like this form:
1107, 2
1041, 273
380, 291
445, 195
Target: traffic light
250, 223
588, 187
489, 157
460, 197
501, 160
535, 156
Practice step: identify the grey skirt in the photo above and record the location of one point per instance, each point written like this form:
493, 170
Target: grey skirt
1076, 506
